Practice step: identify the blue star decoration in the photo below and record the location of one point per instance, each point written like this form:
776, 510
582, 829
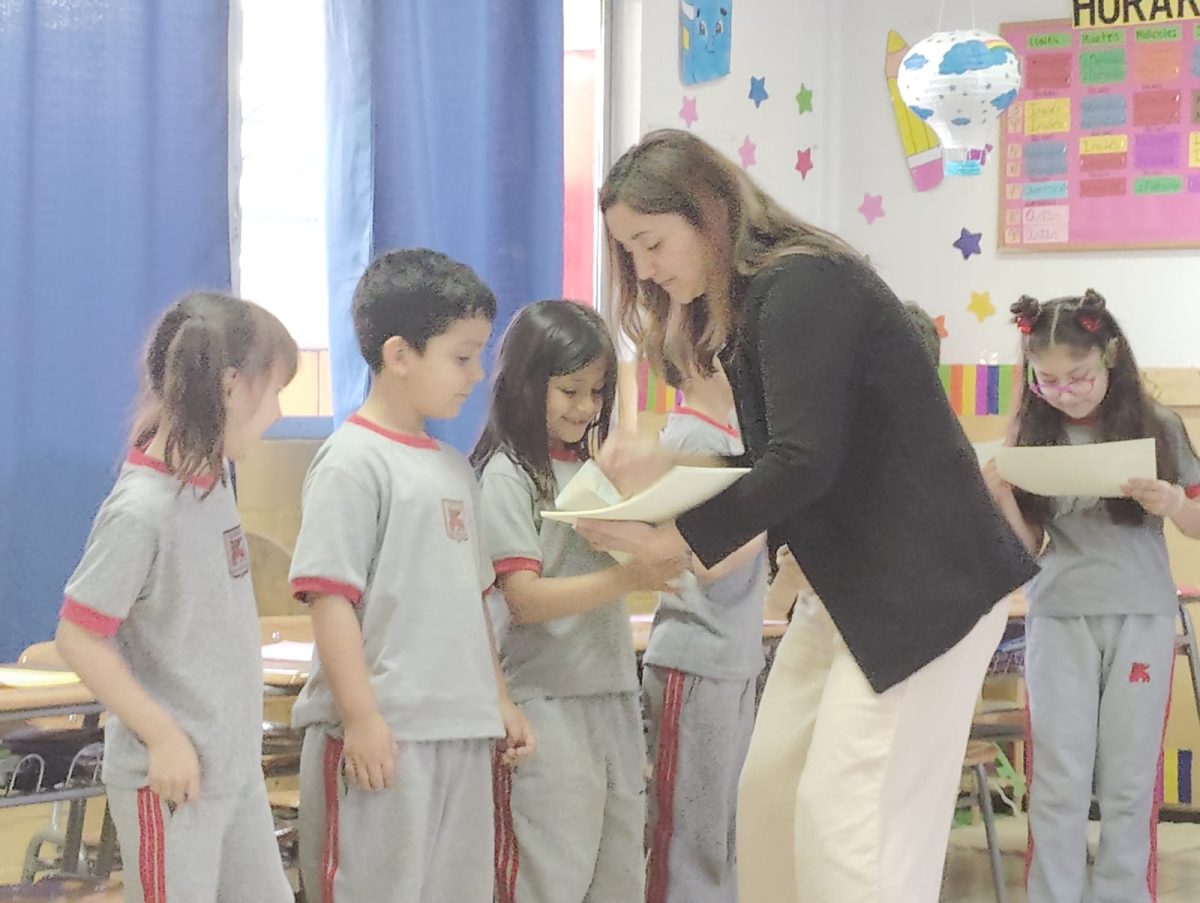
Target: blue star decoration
758, 90
968, 243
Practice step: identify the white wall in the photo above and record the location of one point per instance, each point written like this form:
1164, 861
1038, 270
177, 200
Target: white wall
1155, 294
837, 49
781, 40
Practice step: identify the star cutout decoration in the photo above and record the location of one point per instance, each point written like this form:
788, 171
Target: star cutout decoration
940, 323
758, 90
804, 100
688, 111
804, 163
872, 207
747, 152
968, 243
981, 305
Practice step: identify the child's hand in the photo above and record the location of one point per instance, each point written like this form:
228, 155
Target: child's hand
174, 767
518, 742
1157, 497
789, 582
999, 487
789, 570
654, 577
369, 753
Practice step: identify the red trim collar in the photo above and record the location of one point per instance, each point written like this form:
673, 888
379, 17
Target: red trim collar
139, 458
564, 454
1090, 420
408, 439
723, 427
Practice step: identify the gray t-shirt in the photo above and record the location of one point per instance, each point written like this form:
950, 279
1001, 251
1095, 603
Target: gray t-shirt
1092, 566
166, 573
391, 522
712, 631
582, 655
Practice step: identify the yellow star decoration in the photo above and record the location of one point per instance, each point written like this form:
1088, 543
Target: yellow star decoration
981, 305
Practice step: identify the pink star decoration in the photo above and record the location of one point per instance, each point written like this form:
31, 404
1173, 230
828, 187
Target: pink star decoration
804, 162
688, 111
872, 207
746, 152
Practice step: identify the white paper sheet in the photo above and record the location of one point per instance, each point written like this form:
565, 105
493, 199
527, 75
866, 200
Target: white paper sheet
35, 678
288, 651
591, 495
986, 451
1098, 469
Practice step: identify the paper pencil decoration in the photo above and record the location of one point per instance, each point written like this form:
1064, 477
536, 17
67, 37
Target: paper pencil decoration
921, 145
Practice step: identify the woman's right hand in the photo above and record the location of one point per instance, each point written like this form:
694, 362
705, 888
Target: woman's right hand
174, 772
633, 461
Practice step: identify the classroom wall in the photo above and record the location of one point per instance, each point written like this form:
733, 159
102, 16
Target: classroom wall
1153, 293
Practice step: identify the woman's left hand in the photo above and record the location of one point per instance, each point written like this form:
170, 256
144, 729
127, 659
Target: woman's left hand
1158, 497
642, 541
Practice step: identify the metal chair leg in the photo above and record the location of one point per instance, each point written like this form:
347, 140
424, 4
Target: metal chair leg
1192, 650
989, 827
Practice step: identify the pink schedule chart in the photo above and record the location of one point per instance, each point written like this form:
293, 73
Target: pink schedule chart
1101, 149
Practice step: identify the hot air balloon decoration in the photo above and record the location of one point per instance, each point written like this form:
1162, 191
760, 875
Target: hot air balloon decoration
960, 83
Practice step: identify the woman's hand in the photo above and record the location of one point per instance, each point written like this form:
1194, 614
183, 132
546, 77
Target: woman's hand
642, 541
633, 461
999, 487
1157, 497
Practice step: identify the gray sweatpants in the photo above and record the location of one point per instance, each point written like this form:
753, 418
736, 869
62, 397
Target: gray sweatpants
1099, 688
570, 820
426, 839
215, 848
697, 732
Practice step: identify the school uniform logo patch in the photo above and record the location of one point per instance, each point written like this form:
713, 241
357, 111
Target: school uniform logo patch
1139, 673
237, 555
456, 519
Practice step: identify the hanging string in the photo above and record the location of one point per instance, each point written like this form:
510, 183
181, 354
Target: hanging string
941, 14
973, 25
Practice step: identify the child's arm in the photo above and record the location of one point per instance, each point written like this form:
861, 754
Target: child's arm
534, 599
724, 568
519, 742
1002, 493
174, 772
787, 586
369, 752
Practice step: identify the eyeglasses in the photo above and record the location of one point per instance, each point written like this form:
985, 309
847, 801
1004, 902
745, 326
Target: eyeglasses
1080, 385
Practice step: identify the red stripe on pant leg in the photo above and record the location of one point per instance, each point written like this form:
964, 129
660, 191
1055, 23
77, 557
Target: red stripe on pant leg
505, 845
151, 860
514, 848
1028, 786
331, 761
1152, 863
666, 763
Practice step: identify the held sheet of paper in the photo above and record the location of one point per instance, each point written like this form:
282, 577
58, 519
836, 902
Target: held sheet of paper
589, 494
1098, 469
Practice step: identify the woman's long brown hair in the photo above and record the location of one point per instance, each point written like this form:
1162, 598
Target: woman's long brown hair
673, 172
194, 344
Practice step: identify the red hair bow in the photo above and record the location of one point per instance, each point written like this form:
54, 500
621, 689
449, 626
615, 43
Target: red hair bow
1090, 322
1025, 324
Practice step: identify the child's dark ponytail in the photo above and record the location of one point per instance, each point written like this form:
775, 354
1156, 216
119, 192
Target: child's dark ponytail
200, 340
193, 392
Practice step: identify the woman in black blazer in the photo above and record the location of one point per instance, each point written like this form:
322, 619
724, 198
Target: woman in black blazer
860, 467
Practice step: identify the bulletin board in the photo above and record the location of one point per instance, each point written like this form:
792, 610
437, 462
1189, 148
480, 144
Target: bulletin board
1101, 149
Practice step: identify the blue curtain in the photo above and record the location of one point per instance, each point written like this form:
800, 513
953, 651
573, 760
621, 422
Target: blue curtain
113, 200
450, 137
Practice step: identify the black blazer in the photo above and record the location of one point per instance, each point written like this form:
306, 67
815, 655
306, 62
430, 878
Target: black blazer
859, 465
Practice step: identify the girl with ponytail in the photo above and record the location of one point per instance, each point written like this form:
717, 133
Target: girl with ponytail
1102, 610
159, 618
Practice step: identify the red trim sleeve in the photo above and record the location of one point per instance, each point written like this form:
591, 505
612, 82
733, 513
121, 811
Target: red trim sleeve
1193, 491
88, 618
506, 566
321, 586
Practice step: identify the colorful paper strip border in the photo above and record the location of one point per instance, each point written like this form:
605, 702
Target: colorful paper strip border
979, 389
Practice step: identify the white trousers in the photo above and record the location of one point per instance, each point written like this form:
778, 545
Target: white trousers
848, 795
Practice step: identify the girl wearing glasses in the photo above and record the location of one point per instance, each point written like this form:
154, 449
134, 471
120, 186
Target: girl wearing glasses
1101, 632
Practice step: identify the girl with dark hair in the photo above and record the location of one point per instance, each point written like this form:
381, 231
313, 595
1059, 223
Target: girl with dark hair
570, 820
1101, 630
